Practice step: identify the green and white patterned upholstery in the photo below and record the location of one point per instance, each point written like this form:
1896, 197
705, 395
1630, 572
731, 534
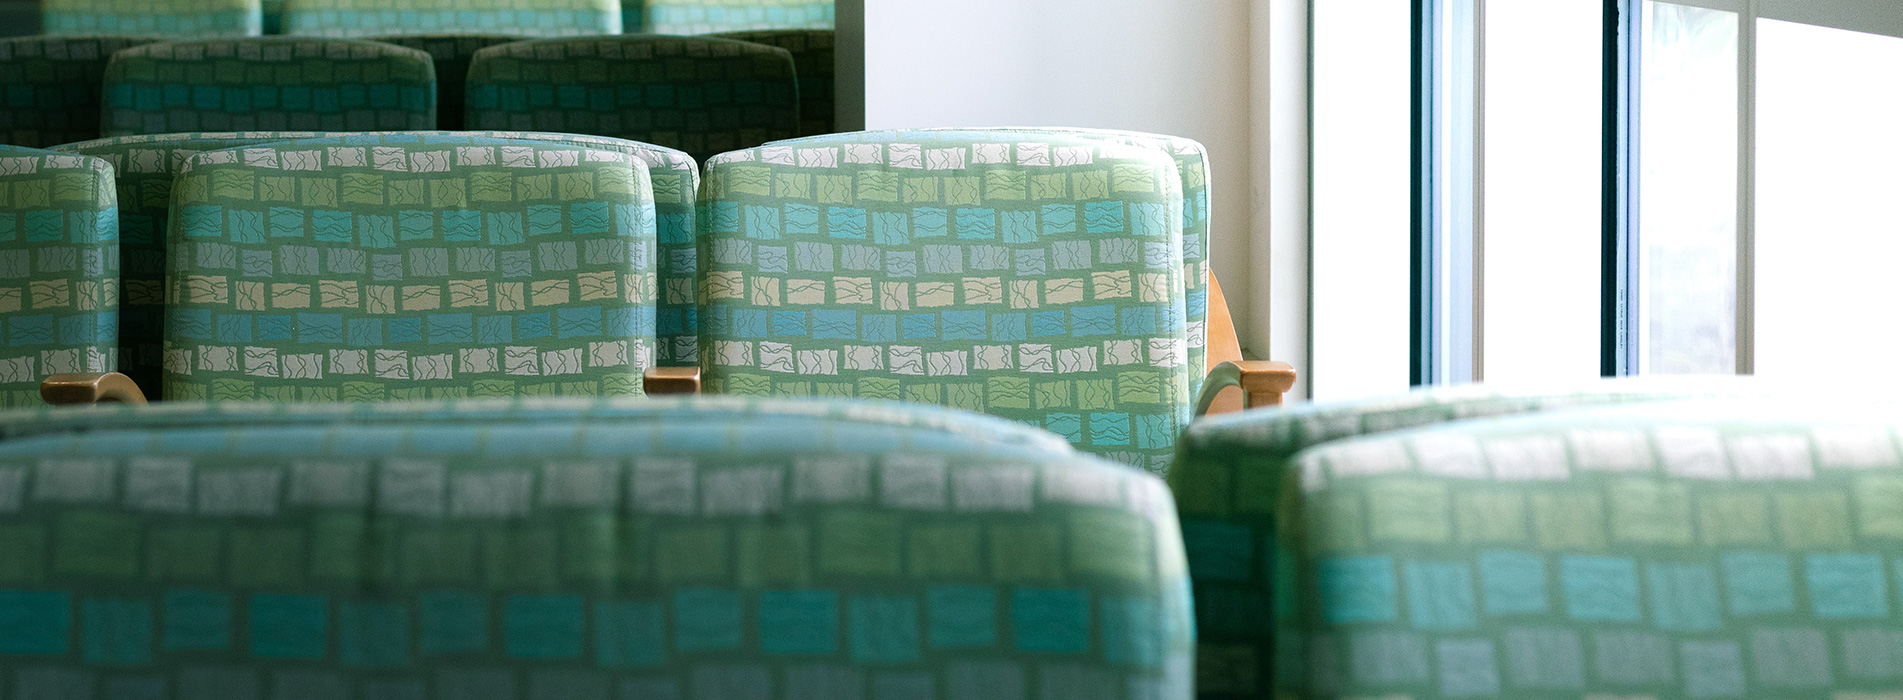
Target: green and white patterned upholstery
702, 96
1728, 550
709, 16
49, 87
1232, 475
451, 53
361, 18
164, 19
59, 269
812, 51
1037, 279
339, 269
269, 84
732, 557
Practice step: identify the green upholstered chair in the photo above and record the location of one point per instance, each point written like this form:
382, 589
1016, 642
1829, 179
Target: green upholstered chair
49, 87
361, 18
451, 53
1235, 473
165, 19
338, 269
59, 269
1037, 279
673, 551
702, 96
812, 51
268, 83
709, 16
273, 16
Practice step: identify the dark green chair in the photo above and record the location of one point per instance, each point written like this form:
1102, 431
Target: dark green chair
49, 87
451, 53
812, 51
268, 84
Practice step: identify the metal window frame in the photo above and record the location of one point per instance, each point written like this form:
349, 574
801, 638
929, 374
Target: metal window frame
1448, 238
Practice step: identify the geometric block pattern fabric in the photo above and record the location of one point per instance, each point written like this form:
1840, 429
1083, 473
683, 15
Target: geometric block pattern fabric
146, 165
528, 18
451, 53
1233, 475
163, 19
709, 16
59, 269
1688, 551
49, 87
341, 269
1036, 279
701, 96
703, 557
812, 51
268, 84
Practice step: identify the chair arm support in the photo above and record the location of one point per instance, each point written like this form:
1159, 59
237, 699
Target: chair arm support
671, 380
1262, 382
91, 388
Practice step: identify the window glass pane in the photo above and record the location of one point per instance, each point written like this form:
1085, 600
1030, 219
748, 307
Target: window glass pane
1541, 209
1361, 191
1688, 190
1829, 228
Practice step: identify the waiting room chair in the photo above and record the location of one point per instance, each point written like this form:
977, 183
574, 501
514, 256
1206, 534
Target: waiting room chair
49, 87
268, 84
452, 53
158, 19
812, 51
59, 269
527, 18
710, 16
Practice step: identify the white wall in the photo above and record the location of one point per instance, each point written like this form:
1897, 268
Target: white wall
1177, 67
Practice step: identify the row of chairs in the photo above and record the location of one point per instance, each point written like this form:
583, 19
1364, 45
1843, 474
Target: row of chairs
1058, 278
702, 95
200, 19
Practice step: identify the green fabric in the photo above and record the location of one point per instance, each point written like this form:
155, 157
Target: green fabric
268, 83
709, 16
701, 96
359, 18
59, 269
1704, 550
812, 51
49, 87
146, 165
322, 270
451, 53
1038, 280
273, 16
700, 555
168, 19
1230, 474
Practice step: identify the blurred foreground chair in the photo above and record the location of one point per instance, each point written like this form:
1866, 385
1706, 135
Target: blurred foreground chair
709, 16
526, 18
158, 19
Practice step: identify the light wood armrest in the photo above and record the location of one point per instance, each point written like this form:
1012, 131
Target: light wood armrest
1221, 345
671, 380
1262, 382
91, 388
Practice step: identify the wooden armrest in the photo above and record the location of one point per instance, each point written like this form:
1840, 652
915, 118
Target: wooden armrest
671, 380
1263, 383
91, 388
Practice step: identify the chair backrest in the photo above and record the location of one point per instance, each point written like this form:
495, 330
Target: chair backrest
49, 87
812, 51
455, 267
709, 16
451, 53
162, 19
527, 18
59, 269
270, 84
702, 96
1037, 279
739, 555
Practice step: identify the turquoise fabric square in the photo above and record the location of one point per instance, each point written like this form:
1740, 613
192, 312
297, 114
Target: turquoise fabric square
884, 629
705, 619
1051, 620
1759, 583
542, 626
117, 632
1358, 589
1684, 597
1132, 632
373, 634
630, 633
962, 616
1440, 595
1600, 588
289, 626
799, 622
1513, 583
449, 622
1847, 586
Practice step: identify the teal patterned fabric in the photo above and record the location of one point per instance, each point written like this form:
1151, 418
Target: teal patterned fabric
541, 18
812, 51
337, 269
1038, 279
273, 16
59, 269
451, 52
1231, 477
702, 96
699, 556
165, 19
1669, 551
49, 87
709, 16
269, 84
